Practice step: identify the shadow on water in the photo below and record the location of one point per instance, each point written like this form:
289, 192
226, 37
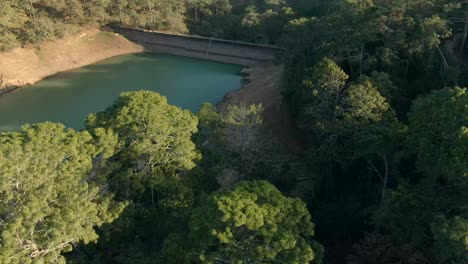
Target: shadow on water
69, 97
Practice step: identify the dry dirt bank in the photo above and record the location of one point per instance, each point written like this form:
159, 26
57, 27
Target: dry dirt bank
263, 85
24, 66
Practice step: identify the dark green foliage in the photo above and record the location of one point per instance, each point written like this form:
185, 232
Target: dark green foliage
352, 108
451, 238
34, 21
429, 212
438, 126
253, 222
251, 20
376, 248
383, 166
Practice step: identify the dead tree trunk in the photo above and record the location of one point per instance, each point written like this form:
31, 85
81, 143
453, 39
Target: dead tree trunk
2, 81
465, 35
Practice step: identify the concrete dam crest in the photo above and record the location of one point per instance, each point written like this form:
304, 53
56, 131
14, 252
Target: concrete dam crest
235, 52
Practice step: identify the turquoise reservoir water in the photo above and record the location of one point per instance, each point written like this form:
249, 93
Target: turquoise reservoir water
70, 96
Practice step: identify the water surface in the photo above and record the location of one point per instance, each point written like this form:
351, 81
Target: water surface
70, 96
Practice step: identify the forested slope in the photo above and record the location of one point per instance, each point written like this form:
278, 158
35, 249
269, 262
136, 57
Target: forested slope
376, 91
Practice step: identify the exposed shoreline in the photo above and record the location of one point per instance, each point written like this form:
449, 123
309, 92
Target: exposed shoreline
26, 66
22, 67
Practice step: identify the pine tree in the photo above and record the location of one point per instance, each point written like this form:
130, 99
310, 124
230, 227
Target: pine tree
50, 198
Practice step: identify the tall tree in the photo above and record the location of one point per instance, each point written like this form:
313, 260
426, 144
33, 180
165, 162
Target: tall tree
151, 169
438, 134
323, 96
154, 138
51, 198
253, 222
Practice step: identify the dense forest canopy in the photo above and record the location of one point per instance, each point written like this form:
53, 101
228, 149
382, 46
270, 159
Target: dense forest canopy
376, 91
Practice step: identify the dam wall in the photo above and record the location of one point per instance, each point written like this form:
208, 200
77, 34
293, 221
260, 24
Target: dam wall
242, 53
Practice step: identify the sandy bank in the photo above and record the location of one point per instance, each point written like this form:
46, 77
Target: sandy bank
24, 66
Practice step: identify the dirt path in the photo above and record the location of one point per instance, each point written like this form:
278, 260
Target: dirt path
263, 85
23, 66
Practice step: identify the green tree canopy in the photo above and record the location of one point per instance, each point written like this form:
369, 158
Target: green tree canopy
51, 198
12, 18
451, 238
363, 104
154, 147
151, 132
150, 167
438, 134
322, 95
254, 222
